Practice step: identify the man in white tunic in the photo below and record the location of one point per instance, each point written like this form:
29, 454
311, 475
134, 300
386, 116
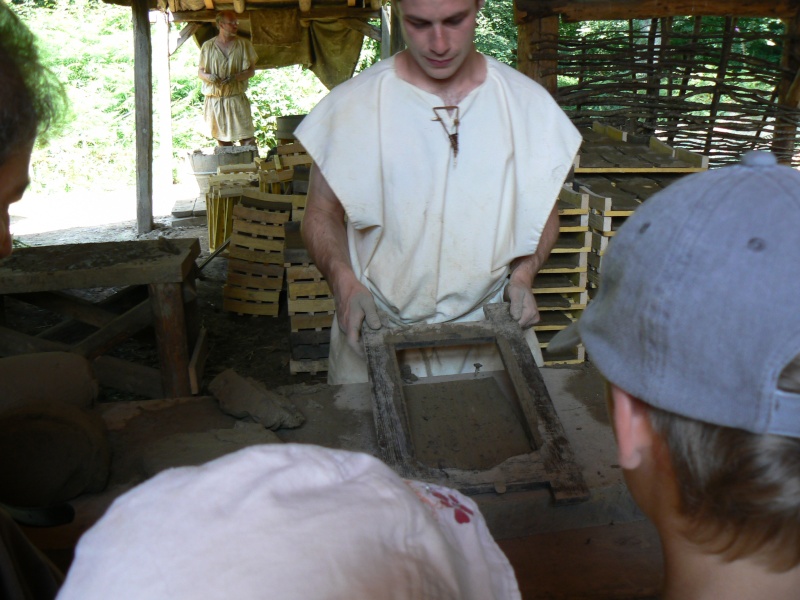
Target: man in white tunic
433, 189
227, 62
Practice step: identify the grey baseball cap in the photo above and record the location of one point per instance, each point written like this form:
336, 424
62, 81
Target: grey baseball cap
698, 309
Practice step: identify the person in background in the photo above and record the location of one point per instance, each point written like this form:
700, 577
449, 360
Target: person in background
696, 329
227, 62
433, 190
31, 100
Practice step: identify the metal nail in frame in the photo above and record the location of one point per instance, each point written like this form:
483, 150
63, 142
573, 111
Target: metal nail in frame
552, 461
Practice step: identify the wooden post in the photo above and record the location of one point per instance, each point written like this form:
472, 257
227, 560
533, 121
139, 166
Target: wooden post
386, 32
727, 42
162, 171
788, 92
143, 86
537, 51
397, 43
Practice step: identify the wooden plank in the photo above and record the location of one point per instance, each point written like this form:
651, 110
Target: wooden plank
66, 304
13, 343
143, 100
255, 269
121, 328
256, 256
250, 308
128, 377
294, 160
253, 243
254, 282
572, 242
265, 230
233, 292
197, 361
293, 148
699, 161
594, 10
241, 168
576, 199
104, 264
305, 305
308, 289
561, 301
303, 273
561, 282
301, 322
572, 223
575, 262
660, 147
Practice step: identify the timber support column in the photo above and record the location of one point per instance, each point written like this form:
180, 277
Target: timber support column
143, 90
783, 144
537, 49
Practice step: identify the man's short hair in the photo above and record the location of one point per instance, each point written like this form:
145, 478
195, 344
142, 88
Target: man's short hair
224, 13
31, 98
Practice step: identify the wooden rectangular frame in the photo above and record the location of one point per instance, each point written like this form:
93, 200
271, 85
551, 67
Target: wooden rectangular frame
551, 464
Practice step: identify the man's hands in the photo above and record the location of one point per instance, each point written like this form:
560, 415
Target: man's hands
522, 304
354, 305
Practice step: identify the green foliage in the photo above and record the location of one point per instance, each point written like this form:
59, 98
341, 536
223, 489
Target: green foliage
496, 32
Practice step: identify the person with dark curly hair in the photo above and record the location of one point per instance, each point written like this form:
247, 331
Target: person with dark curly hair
31, 102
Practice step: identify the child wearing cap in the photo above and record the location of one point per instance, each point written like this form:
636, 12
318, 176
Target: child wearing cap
696, 329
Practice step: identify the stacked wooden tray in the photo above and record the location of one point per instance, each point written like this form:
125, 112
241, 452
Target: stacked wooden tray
560, 286
256, 255
310, 305
618, 172
224, 192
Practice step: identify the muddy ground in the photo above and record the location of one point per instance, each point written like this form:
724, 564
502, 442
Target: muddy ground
255, 347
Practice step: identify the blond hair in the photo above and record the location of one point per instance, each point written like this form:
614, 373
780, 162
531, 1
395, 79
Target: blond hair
739, 491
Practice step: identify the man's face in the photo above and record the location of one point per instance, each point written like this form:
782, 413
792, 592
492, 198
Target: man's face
439, 34
229, 23
13, 182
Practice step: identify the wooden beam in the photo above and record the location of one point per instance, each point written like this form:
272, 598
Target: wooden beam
209, 4
397, 43
319, 13
143, 91
305, 5
239, 6
592, 10
537, 51
784, 139
364, 28
186, 33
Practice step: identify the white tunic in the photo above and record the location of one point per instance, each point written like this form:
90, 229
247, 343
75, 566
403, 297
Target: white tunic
430, 234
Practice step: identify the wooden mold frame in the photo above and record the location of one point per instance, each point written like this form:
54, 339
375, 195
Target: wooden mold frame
551, 464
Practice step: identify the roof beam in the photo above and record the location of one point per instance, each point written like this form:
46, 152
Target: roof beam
596, 10
321, 13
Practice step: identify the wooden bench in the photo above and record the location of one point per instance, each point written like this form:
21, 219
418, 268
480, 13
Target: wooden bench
156, 277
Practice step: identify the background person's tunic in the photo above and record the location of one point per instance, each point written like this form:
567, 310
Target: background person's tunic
432, 236
227, 108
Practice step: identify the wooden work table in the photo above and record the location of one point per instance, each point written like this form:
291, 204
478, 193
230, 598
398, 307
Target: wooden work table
165, 268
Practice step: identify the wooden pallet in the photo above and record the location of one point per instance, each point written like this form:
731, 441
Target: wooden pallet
256, 255
561, 301
308, 366
574, 262
608, 150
